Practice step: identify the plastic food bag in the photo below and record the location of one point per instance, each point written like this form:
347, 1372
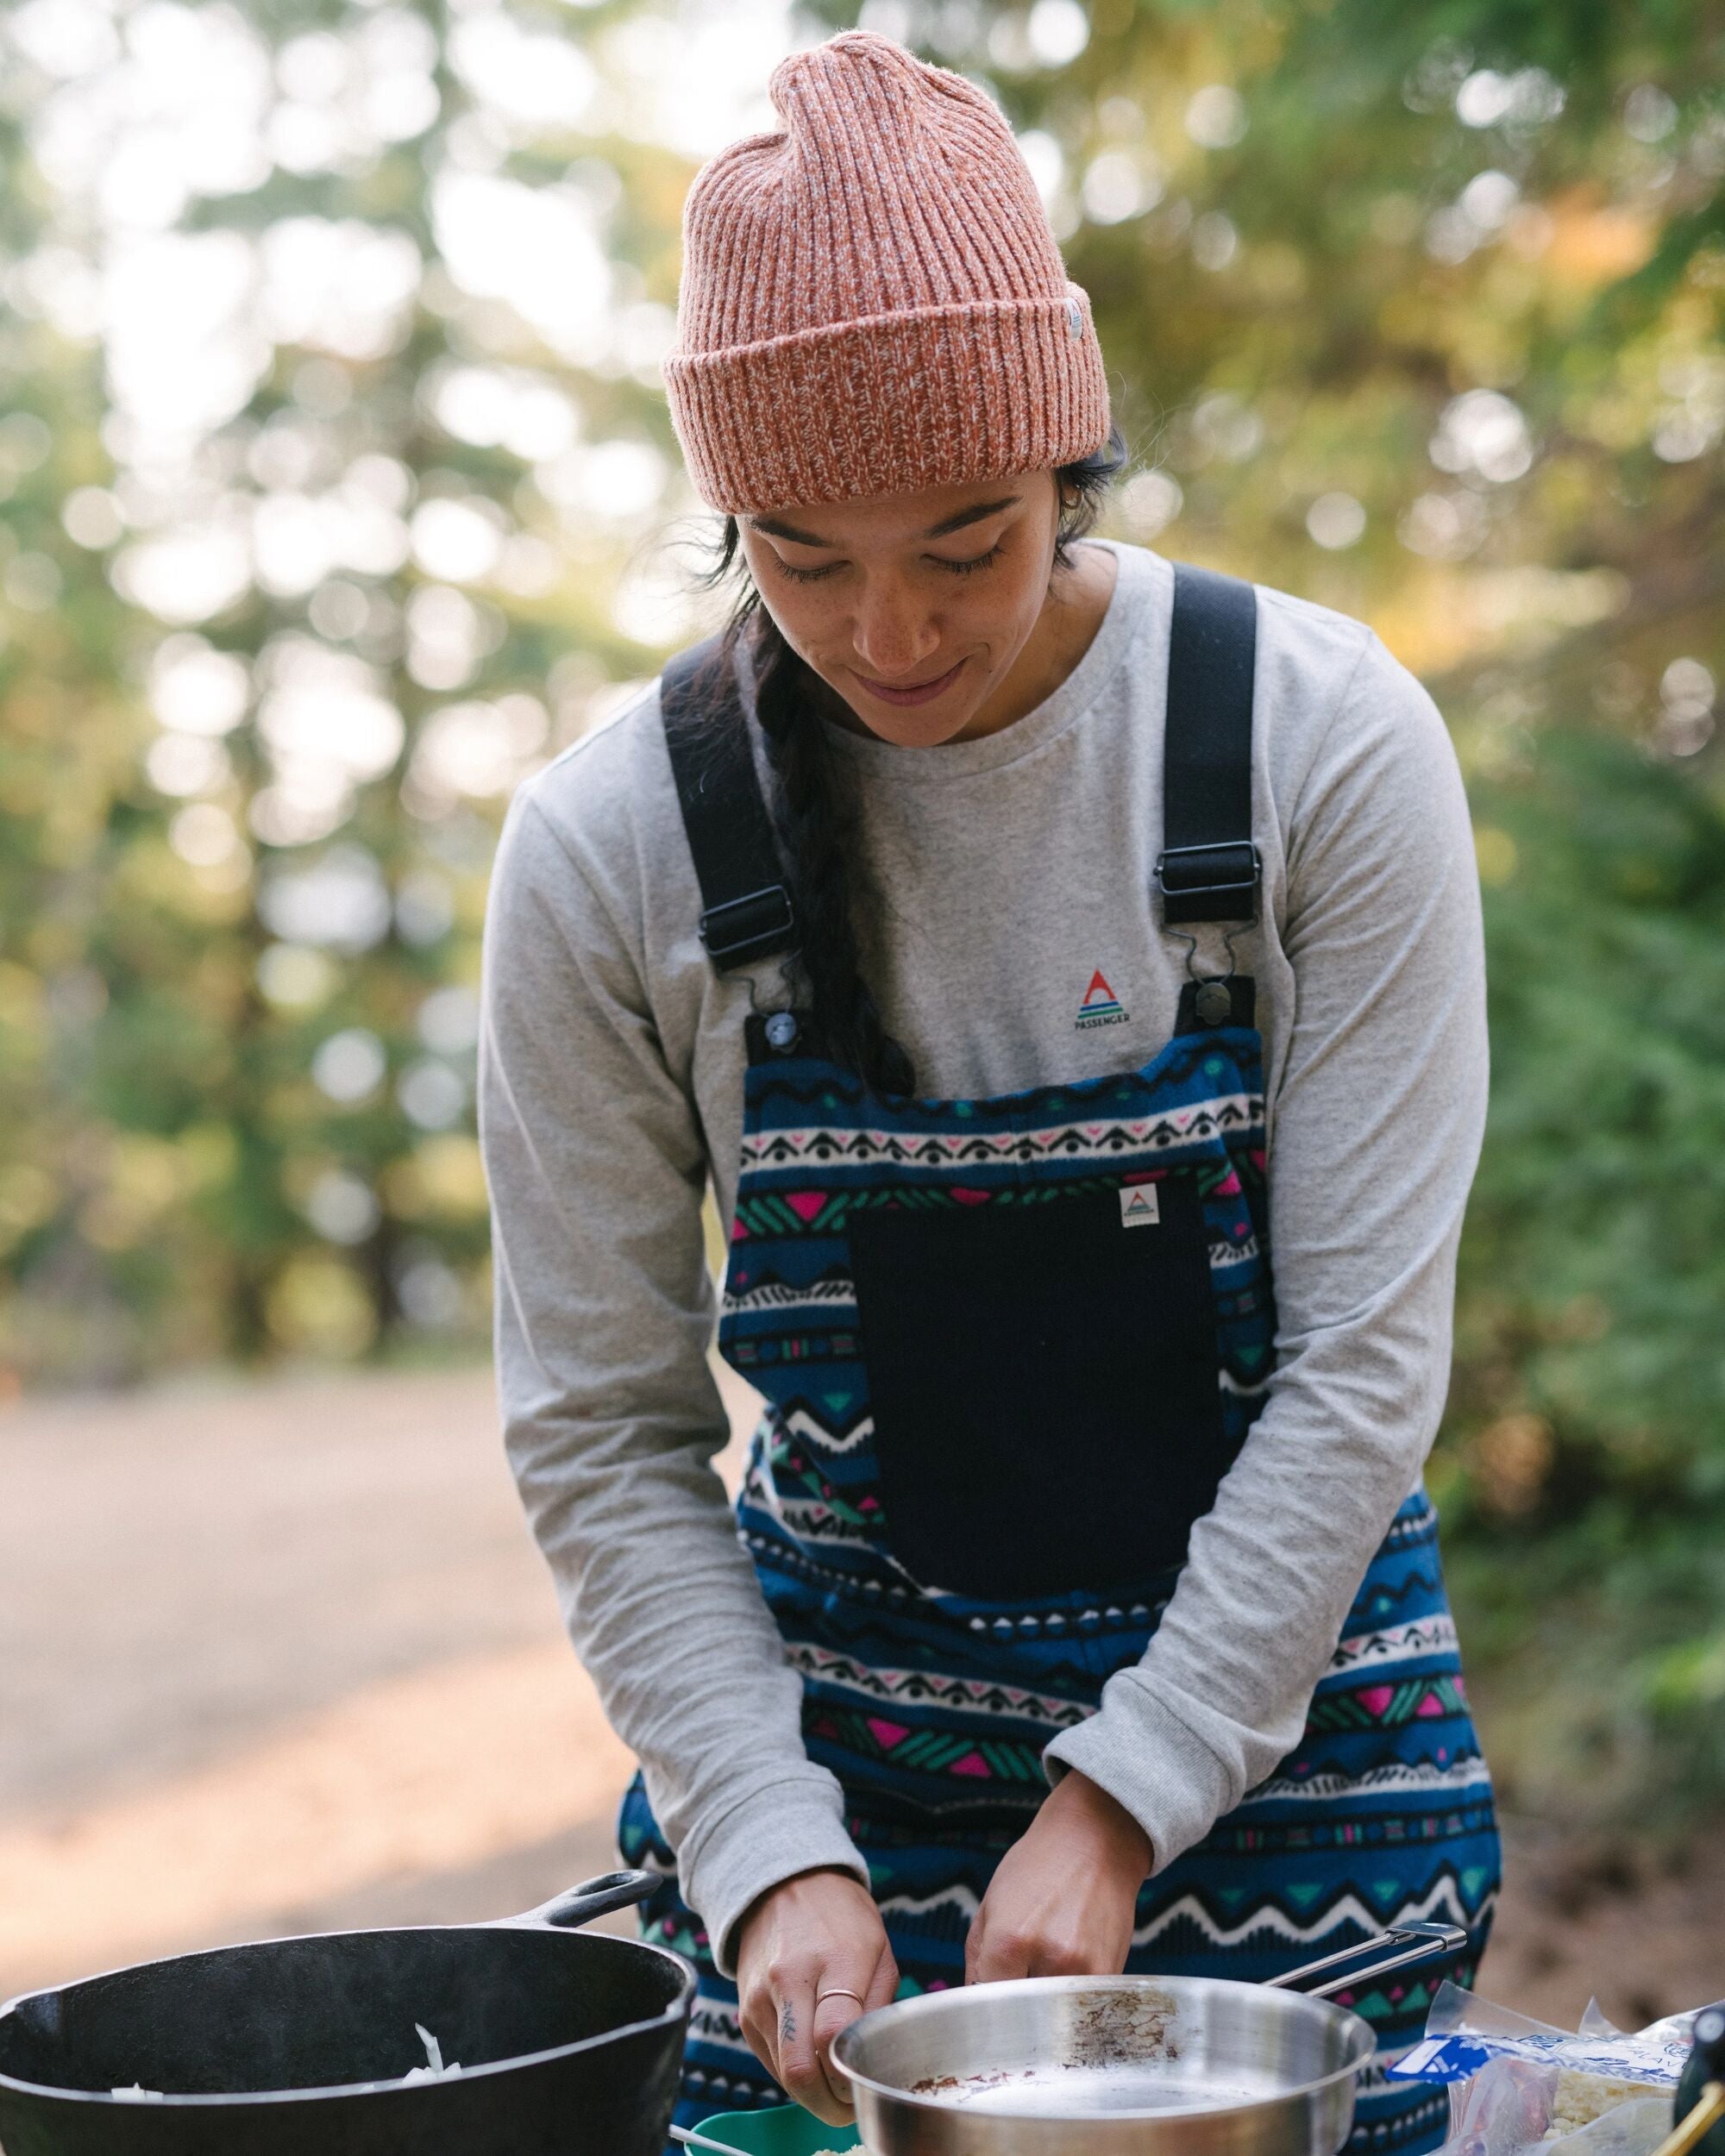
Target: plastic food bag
1502, 2108
1510, 2106
1463, 2032
1634, 2128
1517, 2085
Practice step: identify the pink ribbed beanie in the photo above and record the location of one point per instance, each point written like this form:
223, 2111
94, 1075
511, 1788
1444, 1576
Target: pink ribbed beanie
872, 298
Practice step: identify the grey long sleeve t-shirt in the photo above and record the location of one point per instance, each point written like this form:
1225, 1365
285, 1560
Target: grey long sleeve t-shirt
1012, 869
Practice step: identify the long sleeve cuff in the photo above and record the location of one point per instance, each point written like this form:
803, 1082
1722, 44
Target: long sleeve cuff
1149, 1760
770, 1835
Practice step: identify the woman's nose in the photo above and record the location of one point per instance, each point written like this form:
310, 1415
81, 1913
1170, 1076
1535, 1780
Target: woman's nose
893, 639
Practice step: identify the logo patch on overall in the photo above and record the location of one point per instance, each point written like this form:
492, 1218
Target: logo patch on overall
1139, 1205
1101, 1007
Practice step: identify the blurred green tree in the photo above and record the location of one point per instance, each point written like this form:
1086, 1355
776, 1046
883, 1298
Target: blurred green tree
332, 451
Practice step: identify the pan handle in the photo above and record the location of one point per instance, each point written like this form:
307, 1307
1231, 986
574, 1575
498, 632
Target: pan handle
592, 1898
1407, 1944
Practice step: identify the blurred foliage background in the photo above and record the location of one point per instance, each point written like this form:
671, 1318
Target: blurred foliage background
337, 492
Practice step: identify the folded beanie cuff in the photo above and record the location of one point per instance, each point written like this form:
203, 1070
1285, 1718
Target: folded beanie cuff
891, 403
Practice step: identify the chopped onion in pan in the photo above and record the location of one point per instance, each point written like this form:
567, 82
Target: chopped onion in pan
433, 2070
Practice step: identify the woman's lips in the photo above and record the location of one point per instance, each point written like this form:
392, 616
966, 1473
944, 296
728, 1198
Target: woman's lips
922, 694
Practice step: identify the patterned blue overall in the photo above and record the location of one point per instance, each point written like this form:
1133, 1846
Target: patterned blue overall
969, 1494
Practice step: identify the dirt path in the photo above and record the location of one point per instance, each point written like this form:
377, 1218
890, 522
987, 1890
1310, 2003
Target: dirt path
278, 1655
275, 1658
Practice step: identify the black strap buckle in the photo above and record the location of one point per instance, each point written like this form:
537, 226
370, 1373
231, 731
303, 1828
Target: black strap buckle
1210, 883
742, 927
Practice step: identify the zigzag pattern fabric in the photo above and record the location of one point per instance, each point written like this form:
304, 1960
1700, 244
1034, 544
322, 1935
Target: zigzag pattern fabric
933, 1709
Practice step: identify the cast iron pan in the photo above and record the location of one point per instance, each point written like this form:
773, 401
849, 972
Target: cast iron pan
570, 2045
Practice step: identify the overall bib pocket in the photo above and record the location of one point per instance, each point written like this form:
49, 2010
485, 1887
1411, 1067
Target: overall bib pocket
1043, 1377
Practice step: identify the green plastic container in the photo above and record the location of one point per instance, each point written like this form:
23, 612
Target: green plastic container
789, 2131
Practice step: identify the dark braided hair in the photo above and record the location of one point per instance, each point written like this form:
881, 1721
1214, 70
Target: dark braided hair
816, 811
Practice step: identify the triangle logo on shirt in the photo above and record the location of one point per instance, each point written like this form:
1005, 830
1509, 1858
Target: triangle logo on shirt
1100, 1005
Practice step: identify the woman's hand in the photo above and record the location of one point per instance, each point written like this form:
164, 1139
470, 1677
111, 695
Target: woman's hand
1060, 1901
818, 1933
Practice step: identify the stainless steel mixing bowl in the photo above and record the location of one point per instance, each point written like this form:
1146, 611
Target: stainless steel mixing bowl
1124, 2065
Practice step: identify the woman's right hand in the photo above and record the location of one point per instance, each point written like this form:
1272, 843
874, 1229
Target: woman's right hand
818, 1933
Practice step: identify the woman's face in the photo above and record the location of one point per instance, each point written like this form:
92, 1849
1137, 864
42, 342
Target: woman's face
948, 585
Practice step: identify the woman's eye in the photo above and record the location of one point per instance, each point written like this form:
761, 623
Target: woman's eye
976, 561
958, 568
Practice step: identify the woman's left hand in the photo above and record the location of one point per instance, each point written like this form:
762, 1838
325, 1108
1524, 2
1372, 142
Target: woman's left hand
1061, 1903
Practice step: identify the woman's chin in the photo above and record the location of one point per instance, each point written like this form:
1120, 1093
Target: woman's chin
930, 726
925, 726
904, 730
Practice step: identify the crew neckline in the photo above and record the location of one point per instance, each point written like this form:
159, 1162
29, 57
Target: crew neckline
1135, 578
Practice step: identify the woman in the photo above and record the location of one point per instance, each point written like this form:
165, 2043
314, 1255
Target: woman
1008, 927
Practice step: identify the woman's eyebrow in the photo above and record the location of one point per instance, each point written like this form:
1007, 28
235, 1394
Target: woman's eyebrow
776, 528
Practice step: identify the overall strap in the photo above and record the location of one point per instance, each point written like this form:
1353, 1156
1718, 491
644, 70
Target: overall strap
1209, 869
746, 912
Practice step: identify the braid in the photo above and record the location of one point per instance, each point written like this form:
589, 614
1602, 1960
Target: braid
819, 820
817, 809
